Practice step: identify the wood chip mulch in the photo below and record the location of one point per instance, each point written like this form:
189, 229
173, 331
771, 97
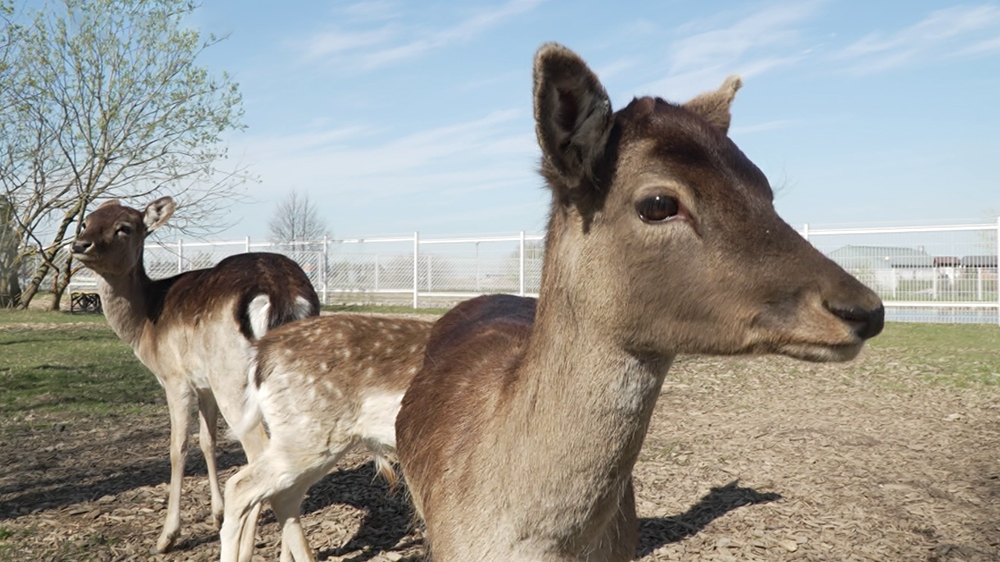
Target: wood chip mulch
746, 459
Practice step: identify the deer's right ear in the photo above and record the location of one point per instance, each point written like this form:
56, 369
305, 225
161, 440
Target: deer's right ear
158, 212
573, 115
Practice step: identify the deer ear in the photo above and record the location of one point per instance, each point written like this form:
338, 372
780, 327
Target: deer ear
572, 115
714, 106
158, 212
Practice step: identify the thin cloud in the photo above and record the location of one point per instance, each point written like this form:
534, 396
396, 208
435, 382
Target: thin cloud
477, 153
981, 48
714, 48
391, 43
947, 33
490, 81
763, 127
333, 43
614, 68
372, 10
774, 26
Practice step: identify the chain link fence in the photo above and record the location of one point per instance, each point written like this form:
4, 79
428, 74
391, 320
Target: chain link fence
923, 274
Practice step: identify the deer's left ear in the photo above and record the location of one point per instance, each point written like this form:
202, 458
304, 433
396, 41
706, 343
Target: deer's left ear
158, 212
714, 106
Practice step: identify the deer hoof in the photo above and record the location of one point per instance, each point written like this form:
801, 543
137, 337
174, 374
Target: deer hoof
165, 542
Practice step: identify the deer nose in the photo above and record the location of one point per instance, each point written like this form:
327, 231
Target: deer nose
866, 322
81, 247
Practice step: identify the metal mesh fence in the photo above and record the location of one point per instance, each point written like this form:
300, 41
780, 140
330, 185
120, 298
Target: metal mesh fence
923, 274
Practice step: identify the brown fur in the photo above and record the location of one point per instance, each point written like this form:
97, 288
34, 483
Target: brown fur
193, 330
518, 437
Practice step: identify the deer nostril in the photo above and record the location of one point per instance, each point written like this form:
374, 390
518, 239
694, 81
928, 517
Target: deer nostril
81, 247
866, 323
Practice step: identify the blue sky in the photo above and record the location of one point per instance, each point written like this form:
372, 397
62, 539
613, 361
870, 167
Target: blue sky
402, 116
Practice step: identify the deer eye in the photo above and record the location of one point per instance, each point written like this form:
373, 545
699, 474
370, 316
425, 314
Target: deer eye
658, 208
124, 230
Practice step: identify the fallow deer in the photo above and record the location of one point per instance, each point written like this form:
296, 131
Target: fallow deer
322, 386
193, 331
518, 436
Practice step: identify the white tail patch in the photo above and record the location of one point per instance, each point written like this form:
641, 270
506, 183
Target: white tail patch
377, 418
302, 308
252, 414
259, 310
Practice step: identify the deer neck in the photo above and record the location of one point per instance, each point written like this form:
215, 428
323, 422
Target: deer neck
584, 397
125, 300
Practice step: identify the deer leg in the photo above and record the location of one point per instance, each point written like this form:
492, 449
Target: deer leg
287, 506
178, 402
254, 443
208, 411
258, 481
244, 493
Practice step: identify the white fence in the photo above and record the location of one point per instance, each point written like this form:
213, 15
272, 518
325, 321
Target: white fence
923, 274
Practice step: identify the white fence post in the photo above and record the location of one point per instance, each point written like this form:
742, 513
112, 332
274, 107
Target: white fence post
248, 245
478, 282
429, 288
805, 231
522, 263
180, 256
979, 283
324, 261
376, 273
997, 270
416, 265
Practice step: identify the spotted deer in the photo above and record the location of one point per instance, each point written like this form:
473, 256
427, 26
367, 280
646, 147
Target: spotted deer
518, 437
322, 386
193, 331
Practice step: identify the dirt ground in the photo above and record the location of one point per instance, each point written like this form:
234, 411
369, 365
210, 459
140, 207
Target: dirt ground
746, 459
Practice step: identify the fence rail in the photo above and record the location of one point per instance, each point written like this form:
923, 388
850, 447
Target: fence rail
922, 273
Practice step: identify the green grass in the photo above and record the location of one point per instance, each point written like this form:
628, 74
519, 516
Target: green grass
82, 368
74, 363
8, 316
958, 354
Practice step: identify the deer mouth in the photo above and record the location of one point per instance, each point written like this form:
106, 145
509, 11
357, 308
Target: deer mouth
822, 353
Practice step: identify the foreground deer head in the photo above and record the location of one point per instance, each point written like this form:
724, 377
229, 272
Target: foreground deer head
518, 436
193, 330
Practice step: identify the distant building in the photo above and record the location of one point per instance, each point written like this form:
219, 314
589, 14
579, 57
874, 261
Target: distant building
881, 257
885, 268
912, 272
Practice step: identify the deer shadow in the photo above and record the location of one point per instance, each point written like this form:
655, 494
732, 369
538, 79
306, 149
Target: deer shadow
388, 516
658, 531
70, 485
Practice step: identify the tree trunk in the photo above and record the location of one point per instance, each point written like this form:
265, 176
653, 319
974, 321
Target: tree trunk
49, 255
59, 287
10, 289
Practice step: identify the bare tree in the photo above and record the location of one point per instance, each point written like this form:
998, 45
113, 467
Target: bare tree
296, 222
103, 99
